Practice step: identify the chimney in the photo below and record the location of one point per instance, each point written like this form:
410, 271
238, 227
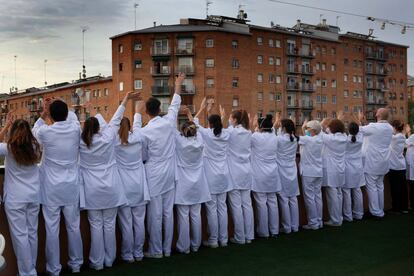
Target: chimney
324, 22
155, 23
298, 24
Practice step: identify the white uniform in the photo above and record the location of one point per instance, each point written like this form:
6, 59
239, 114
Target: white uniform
219, 182
409, 157
190, 191
21, 192
59, 191
288, 201
376, 152
101, 190
266, 182
238, 159
310, 167
353, 207
334, 174
131, 217
159, 141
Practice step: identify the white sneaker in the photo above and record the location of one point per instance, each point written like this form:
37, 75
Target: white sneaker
152, 256
249, 241
194, 249
233, 240
211, 245
282, 230
310, 227
332, 224
76, 270
223, 244
167, 255
138, 259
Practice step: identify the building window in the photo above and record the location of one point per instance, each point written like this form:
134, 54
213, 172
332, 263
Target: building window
271, 60
324, 83
209, 43
271, 96
318, 99
346, 93
318, 82
120, 48
259, 40
323, 66
345, 77
138, 84
210, 82
209, 63
235, 63
260, 96
333, 83
278, 61
272, 78
333, 99
278, 79
333, 51
359, 79
324, 99
106, 91
235, 102
121, 67
271, 43
333, 67
318, 66
260, 77
234, 44
138, 63
354, 79
346, 61
259, 59
277, 43
137, 46
346, 108
99, 93
235, 82
95, 93
278, 97
121, 86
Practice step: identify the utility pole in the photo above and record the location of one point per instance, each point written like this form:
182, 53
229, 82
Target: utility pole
15, 72
84, 29
45, 61
135, 14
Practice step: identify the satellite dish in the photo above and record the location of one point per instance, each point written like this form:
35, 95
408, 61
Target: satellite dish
245, 15
79, 92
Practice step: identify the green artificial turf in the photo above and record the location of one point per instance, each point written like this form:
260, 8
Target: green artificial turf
369, 247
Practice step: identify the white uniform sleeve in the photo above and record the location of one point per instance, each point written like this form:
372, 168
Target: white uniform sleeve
410, 141
202, 130
173, 110
3, 149
136, 134
117, 117
73, 118
137, 124
38, 129
106, 131
303, 140
367, 130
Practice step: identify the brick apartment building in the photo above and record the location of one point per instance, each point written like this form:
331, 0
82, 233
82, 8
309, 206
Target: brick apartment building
307, 71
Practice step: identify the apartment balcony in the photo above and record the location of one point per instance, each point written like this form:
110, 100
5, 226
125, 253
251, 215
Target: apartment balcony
380, 72
163, 71
161, 90
375, 86
299, 53
35, 108
375, 55
159, 52
188, 90
293, 105
293, 69
184, 51
4, 110
186, 69
307, 104
375, 101
304, 87
293, 87
307, 70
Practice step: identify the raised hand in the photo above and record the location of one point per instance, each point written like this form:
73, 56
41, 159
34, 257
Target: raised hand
179, 82
277, 123
140, 107
341, 115
255, 123
222, 112
203, 104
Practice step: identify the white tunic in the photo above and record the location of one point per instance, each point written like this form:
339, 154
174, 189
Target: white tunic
409, 157
376, 147
215, 159
286, 161
130, 165
334, 151
101, 187
311, 156
397, 160
191, 184
59, 166
238, 157
264, 163
21, 183
159, 148
354, 168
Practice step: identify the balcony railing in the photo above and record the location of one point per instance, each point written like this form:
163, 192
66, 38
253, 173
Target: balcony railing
299, 52
381, 71
307, 104
307, 70
305, 87
376, 86
161, 90
293, 69
4, 110
186, 69
296, 69
164, 51
161, 71
376, 55
188, 90
376, 101
293, 104
184, 51
35, 108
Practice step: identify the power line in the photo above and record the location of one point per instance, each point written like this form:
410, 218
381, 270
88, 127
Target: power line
384, 20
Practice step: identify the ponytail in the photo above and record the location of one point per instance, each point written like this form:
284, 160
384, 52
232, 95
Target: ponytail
289, 127
90, 127
123, 131
216, 124
353, 129
353, 139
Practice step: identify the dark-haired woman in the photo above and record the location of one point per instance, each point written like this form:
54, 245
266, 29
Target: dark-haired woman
101, 189
334, 143
266, 181
21, 191
238, 158
397, 173
191, 188
131, 217
354, 175
216, 141
288, 201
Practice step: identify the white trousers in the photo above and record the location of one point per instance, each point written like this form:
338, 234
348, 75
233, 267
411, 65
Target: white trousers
216, 210
103, 240
75, 247
352, 204
375, 191
160, 217
131, 222
334, 202
289, 210
186, 215
23, 221
241, 209
267, 214
312, 195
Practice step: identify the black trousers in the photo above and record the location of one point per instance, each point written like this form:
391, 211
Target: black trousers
411, 184
399, 193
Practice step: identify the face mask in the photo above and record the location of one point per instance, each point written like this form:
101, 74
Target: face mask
308, 133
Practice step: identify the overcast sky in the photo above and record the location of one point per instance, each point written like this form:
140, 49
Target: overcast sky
36, 30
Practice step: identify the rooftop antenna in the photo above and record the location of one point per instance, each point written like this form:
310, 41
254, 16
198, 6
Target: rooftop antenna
337, 20
15, 71
45, 61
208, 3
135, 14
320, 18
84, 29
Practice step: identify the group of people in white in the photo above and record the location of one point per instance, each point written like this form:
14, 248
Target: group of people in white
139, 173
